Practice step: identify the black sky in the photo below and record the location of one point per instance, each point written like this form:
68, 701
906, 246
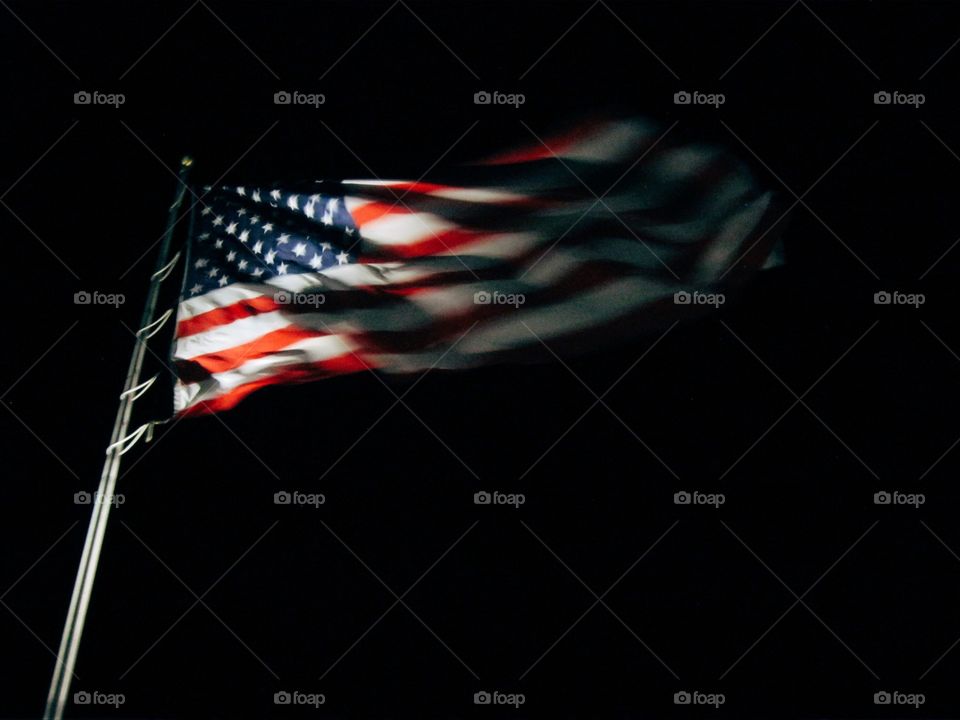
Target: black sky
798, 401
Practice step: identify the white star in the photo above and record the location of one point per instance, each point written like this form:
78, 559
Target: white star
213, 272
268, 227
316, 261
231, 256
351, 231
256, 196
342, 258
282, 240
314, 198
282, 269
258, 272
244, 236
326, 246
241, 212
222, 281
258, 247
218, 243
308, 209
327, 218
195, 289
275, 194
203, 236
232, 228
292, 202
201, 262
218, 220
300, 249
206, 210
269, 257
242, 264
241, 191
254, 219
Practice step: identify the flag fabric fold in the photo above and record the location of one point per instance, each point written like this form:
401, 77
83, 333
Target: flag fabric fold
587, 237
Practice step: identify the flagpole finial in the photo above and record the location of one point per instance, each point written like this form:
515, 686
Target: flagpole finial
186, 161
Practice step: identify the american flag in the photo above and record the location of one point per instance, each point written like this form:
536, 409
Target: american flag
582, 237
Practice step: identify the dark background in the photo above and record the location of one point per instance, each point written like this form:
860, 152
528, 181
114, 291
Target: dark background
290, 591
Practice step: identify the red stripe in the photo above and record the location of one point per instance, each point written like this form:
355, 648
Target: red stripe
419, 187
443, 241
418, 194
225, 314
306, 372
376, 210
234, 357
544, 151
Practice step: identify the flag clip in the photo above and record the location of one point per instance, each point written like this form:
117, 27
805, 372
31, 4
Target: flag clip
164, 272
154, 330
136, 392
126, 443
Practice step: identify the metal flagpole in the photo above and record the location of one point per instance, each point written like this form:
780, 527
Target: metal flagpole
102, 501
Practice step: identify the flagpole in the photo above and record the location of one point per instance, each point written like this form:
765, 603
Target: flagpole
102, 501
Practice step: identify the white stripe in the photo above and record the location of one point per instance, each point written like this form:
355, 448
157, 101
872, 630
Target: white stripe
449, 192
614, 141
499, 245
310, 350
403, 228
224, 337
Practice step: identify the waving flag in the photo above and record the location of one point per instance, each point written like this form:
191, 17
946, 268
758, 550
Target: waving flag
582, 238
